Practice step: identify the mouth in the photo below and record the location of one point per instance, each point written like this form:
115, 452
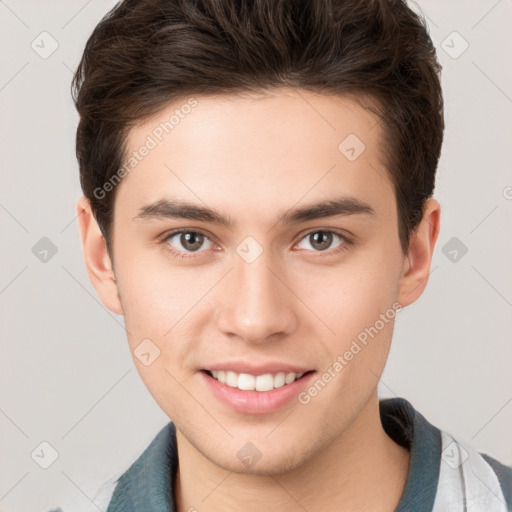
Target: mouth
255, 394
249, 382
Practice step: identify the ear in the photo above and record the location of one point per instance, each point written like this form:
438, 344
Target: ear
97, 259
416, 266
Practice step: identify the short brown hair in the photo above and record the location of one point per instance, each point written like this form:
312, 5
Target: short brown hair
145, 54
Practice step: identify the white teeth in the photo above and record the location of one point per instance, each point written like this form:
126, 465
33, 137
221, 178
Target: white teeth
265, 382
232, 379
290, 377
279, 380
247, 382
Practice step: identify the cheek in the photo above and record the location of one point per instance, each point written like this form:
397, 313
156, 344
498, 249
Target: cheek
157, 308
354, 357
352, 296
154, 295
167, 305
357, 301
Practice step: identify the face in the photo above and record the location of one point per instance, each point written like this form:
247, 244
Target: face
257, 241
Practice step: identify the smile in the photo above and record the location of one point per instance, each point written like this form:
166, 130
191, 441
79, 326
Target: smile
255, 394
248, 382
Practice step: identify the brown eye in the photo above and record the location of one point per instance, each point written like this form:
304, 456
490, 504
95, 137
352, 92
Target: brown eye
321, 240
191, 241
188, 241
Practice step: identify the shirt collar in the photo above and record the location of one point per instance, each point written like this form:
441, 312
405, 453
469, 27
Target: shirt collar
409, 428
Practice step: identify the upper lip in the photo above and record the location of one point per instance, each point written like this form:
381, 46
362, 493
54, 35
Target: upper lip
258, 369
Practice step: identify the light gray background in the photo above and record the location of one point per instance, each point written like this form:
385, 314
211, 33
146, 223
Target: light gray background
66, 373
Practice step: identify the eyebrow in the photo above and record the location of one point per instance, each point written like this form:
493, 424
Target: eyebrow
179, 209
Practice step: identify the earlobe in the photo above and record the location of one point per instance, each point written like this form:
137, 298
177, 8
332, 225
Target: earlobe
416, 266
96, 257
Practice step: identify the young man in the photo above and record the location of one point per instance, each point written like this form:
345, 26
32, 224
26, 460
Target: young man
258, 181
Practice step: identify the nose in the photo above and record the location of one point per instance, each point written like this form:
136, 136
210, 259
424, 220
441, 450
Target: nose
258, 305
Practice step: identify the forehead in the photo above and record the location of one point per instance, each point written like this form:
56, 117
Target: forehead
257, 152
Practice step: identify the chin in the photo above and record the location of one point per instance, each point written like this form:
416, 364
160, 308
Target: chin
277, 464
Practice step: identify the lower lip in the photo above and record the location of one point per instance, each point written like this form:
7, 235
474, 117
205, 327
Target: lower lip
256, 402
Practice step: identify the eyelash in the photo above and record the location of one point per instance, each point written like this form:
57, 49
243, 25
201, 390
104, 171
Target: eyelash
347, 242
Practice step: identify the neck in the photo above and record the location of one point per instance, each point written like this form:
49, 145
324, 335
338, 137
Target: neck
363, 469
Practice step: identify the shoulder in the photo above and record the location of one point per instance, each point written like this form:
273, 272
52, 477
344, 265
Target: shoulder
452, 469
504, 475
99, 501
474, 478
147, 475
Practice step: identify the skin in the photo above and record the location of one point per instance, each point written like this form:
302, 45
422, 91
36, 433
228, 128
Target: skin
253, 157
